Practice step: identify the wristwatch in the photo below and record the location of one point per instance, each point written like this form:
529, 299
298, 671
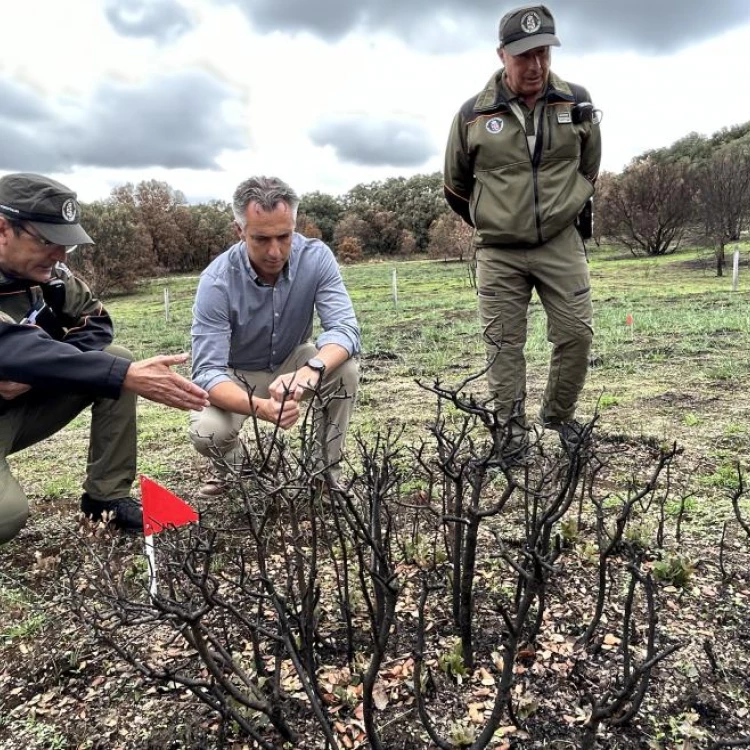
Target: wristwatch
317, 364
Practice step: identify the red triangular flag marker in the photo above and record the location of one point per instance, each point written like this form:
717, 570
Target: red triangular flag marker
162, 509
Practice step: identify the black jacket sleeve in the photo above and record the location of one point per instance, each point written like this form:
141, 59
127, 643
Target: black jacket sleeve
29, 355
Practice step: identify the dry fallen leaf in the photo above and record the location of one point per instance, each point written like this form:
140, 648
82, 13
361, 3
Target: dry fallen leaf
379, 696
476, 713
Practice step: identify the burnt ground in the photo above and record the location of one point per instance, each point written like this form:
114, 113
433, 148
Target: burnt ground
61, 687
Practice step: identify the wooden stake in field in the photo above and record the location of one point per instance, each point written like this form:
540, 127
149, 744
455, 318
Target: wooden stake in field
736, 270
395, 289
166, 303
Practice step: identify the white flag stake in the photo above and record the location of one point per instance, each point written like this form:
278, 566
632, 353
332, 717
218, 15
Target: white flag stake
166, 303
736, 271
151, 557
395, 289
161, 509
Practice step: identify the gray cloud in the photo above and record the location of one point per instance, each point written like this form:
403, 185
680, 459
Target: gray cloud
425, 23
455, 25
20, 103
174, 122
644, 25
22, 113
161, 20
23, 153
371, 142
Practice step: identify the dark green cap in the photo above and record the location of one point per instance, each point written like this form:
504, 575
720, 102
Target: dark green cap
45, 204
527, 28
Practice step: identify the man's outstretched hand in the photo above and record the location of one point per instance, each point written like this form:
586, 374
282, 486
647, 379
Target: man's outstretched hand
152, 379
9, 389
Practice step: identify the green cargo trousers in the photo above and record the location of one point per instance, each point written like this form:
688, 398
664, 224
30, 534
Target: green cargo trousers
559, 272
215, 431
35, 416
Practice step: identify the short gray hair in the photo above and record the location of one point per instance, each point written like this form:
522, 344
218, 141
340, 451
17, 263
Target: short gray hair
267, 192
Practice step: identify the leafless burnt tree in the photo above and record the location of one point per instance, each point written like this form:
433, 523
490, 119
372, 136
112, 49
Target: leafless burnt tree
294, 574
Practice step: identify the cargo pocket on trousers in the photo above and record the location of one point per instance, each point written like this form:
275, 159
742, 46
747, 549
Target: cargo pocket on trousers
490, 317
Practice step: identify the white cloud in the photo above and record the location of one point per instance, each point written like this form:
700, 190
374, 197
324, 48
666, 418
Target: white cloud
160, 20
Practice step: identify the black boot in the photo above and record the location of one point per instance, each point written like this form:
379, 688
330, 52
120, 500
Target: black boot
127, 514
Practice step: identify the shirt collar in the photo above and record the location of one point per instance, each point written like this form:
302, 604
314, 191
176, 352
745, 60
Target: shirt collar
509, 96
290, 268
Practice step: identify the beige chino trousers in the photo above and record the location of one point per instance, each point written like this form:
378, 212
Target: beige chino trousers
215, 432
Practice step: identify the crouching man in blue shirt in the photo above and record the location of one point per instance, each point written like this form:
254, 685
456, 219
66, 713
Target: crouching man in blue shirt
252, 323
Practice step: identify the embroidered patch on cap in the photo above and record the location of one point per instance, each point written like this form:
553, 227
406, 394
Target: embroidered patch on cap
530, 22
495, 125
70, 210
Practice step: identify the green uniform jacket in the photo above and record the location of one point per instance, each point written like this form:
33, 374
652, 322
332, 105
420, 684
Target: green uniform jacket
52, 336
512, 197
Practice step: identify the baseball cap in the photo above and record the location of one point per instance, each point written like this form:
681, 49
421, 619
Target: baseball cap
45, 204
526, 28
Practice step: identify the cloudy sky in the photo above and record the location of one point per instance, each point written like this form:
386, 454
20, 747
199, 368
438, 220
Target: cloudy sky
330, 93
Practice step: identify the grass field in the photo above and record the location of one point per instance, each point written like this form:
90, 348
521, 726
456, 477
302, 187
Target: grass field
680, 372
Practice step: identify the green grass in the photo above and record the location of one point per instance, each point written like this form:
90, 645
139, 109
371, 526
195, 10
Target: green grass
25, 618
26, 628
679, 372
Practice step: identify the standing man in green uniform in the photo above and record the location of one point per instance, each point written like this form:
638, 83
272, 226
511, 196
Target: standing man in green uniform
57, 357
520, 167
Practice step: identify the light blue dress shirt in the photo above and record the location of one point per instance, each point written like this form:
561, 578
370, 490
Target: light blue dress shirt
239, 322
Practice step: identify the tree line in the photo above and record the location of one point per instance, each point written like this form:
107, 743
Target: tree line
149, 229
696, 190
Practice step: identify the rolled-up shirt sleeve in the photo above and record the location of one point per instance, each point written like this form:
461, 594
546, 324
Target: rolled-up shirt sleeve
211, 334
335, 309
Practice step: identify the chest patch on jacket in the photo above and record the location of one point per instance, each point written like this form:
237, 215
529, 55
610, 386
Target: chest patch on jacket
495, 125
